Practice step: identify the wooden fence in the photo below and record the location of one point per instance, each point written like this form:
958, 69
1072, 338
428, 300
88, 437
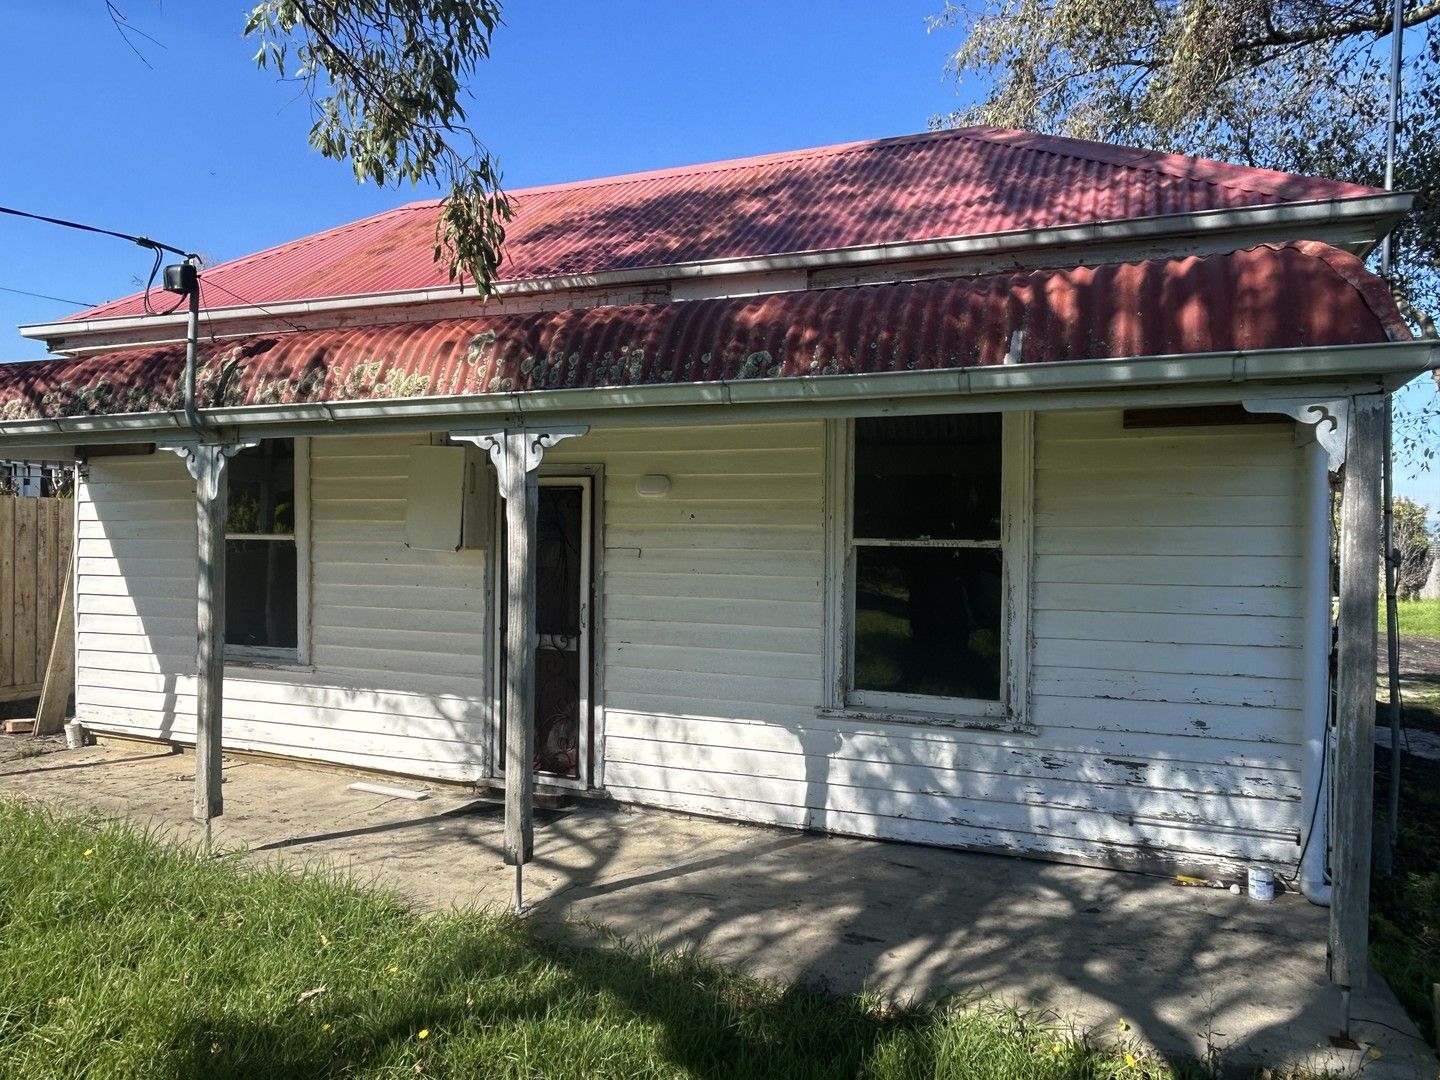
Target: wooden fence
35, 541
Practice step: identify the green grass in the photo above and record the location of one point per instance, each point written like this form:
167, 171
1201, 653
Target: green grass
1418, 618
123, 957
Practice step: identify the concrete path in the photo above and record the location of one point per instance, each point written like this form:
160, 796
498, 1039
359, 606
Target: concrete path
1186, 971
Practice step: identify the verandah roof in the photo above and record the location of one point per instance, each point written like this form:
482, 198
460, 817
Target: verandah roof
1294, 295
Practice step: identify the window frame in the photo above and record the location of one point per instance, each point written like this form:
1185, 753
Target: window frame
298, 657
841, 699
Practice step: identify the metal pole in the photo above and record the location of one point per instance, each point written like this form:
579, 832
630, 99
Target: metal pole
1392, 618
1397, 34
192, 347
1392, 642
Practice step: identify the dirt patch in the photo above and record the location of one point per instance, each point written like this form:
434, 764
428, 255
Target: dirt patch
1419, 657
20, 747
1419, 683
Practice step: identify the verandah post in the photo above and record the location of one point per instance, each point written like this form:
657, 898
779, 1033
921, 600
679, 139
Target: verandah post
212, 487
1355, 693
516, 454
208, 465
520, 488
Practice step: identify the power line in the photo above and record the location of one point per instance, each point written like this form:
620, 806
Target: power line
43, 296
211, 283
143, 241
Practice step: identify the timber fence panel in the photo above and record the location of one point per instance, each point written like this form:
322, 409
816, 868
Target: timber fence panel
35, 544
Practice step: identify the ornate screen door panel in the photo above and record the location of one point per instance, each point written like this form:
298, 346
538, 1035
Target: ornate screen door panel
562, 623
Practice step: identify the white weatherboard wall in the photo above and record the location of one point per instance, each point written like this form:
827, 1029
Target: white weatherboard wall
1166, 660
1166, 622
399, 639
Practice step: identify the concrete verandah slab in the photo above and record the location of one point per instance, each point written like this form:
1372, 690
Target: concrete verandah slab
1183, 969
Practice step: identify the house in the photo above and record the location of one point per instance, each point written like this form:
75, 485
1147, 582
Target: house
969, 488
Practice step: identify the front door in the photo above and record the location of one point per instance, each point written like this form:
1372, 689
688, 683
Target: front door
562, 625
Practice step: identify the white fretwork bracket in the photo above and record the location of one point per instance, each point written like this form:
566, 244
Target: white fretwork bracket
534, 443
191, 452
1329, 420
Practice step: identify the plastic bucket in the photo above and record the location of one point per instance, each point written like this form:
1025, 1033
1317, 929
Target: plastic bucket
74, 735
1262, 883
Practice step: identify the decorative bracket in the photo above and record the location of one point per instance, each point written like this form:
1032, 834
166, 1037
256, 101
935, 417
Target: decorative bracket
194, 453
533, 444
1330, 420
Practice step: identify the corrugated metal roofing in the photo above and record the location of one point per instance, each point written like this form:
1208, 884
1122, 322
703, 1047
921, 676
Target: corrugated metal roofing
921, 187
1268, 297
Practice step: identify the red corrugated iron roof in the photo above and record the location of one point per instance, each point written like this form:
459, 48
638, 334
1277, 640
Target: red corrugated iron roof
920, 187
1268, 297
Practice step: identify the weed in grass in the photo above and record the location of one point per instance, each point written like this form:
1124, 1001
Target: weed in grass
141, 960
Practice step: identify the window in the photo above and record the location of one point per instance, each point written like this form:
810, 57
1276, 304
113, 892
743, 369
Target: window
931, 556
263, 568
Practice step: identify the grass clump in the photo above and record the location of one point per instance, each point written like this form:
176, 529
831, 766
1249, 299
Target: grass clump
124, 957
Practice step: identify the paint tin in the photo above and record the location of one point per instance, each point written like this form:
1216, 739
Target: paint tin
1262, 883
74, 735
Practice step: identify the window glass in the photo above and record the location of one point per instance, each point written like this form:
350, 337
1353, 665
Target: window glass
927, 621
260, 594
926, 557
928, 477
262, 490
261, 570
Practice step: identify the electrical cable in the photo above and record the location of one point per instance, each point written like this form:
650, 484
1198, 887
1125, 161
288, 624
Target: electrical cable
1388, 1027
1314, 813
245, 300
44, 296
143, 241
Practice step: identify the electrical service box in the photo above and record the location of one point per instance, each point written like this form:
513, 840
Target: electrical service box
450, 499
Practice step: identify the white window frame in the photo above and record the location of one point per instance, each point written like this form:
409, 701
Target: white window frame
261, 656
842, 700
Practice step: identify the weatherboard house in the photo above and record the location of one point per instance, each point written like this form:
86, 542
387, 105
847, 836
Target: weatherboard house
970, 488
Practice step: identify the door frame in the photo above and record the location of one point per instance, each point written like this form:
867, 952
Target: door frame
590, 479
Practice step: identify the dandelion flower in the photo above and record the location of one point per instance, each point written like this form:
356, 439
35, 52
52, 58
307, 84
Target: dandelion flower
1056, 1048
89, 851
324, 1027
424, 1033
394, 969
1130, 1060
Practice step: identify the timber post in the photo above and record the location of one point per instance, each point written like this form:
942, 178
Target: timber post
1355, 693
516, 454
208, 465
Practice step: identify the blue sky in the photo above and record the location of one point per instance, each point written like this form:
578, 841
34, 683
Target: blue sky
201, 150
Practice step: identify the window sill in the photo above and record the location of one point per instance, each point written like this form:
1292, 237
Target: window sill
261, 663
926, 719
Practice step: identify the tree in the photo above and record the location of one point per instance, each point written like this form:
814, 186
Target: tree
1300, 87
386, 83
1415, 545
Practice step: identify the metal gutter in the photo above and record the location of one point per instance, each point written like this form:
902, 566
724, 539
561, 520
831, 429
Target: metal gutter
1129, 382
1355, 223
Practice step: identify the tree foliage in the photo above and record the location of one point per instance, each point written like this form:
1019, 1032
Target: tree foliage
386, 80
1414, 545
1295, 85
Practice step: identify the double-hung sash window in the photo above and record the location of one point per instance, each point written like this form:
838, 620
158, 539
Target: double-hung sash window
934, 564
262, 556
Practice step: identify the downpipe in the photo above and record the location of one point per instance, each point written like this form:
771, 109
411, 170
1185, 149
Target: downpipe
1314, 775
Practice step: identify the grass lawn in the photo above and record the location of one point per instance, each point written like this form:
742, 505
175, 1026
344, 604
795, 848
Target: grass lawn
1418, 618
127, 958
